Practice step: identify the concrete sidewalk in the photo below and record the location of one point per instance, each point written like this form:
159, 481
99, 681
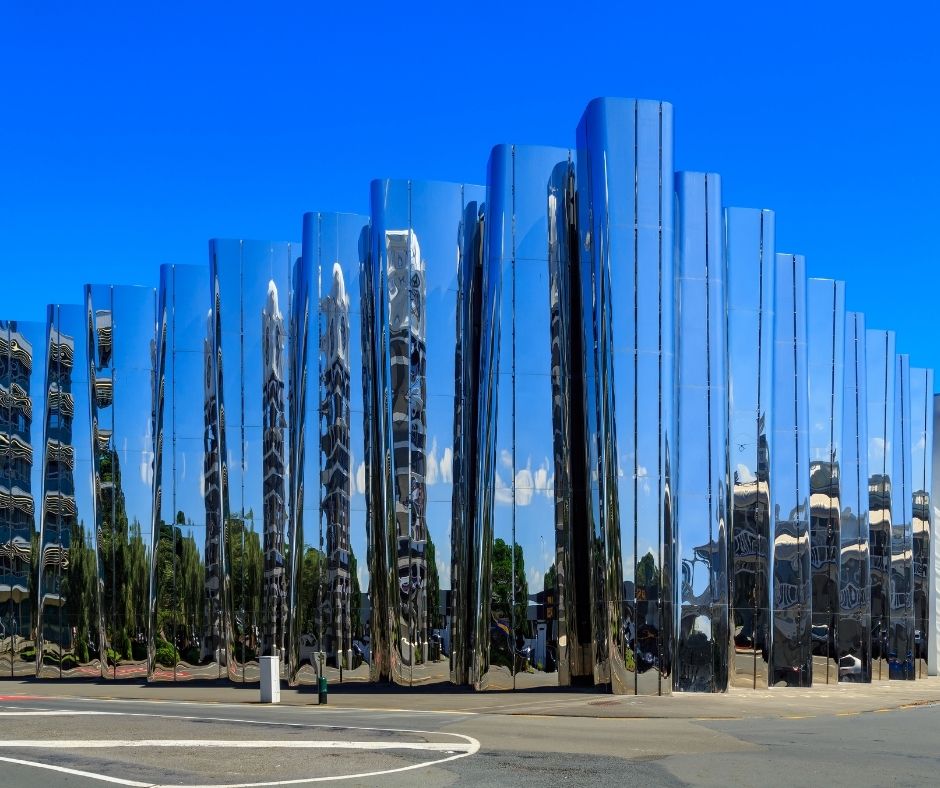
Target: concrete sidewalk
821, 700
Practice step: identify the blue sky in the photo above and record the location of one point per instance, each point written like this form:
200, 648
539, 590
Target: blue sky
129, 136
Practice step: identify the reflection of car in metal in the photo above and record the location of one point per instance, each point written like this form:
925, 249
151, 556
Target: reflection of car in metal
850, 665
360, 650
309, 649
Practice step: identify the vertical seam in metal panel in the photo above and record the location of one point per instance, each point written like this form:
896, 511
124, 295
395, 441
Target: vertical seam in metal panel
796, 446
708, 418
661, 481
833, 487
760, 348
635, 392
512, 549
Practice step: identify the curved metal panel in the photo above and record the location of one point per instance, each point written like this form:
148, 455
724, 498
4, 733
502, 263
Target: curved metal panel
921, 475
250, 283
626, 205
853, 630
425, 257
69, 613
22, 393
901, 586
791, 661
749, 245
933, 637
525, 615
826, 349
702, 498
881, 375
187, 625
328, 619
120, 331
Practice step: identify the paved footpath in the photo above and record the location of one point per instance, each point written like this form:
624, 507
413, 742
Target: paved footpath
819, 700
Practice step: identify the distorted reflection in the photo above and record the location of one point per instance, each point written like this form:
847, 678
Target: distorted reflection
900, 641
921, 473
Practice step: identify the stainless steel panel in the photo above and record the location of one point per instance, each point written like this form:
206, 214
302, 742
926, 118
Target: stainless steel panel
121, 334
702, 498
749, 245
933, 638
69, 613
328, 613
881, 375
853, 632
532, 638
791, 646
826, 350
22, 393
901, 587
626, 209
921, 475
188, 622
251, 308
425, 267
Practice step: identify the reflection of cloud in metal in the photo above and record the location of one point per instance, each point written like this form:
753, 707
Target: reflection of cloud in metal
443, 572
744, 474
439, 470
361, 478
528, 483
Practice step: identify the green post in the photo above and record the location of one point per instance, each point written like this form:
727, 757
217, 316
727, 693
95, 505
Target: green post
321, 683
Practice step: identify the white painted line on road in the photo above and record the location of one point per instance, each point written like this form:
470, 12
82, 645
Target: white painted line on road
57, 713
239, 744
76, 772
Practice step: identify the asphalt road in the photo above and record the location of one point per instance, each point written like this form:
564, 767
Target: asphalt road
144, 743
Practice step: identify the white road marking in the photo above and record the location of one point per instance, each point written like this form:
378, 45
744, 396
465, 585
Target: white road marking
54, 713
238, 744
454, 750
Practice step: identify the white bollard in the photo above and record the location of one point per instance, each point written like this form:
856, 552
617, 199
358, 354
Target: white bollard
270, 680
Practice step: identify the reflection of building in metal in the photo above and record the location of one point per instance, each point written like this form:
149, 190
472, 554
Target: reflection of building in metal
335, 449
702, 498
18, 602
213, 646
881, 373
826, 351
921, 471
274, 603
853, 633
791, 643
408, 396
751, 278
900, 642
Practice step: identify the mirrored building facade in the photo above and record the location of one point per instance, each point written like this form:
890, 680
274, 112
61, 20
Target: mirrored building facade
853, 629
583, 426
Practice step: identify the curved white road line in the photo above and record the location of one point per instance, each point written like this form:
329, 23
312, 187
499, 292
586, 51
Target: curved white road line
468, 747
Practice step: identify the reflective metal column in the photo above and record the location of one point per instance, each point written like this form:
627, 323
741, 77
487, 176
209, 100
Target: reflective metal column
328, 619
826, 348
791, 661
626, 207
749, 245
250, 283
881, 379
533, 635
426, 256
188, 624
853, 629
702, 499
921, 479
120, 330
933, 581
901, 587
69, 612
22, 393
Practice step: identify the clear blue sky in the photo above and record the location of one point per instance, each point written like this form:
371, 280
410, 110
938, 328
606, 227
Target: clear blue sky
129, 136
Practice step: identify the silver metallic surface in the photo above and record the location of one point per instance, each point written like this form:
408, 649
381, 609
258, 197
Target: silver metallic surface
853, 630
251, 307
921, 524
791, 661
901, 586
749, 246
703, 492
529, 610
933, 636
22, 382
881, 387
825, 300
69, 612
626, 211
328, 616
188, 622
426, 256
120, 332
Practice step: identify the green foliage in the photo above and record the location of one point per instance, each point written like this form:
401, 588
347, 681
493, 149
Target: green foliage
166, 654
